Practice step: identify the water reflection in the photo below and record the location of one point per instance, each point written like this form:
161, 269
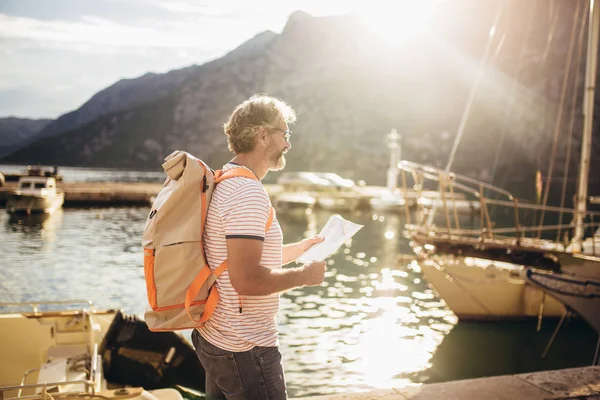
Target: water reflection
301, 221
477, 349
367, 325
39, 225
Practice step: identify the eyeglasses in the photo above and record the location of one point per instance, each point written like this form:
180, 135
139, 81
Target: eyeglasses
287, 133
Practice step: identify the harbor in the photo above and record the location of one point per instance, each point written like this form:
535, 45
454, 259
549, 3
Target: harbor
116, 194
375, 305
444, 152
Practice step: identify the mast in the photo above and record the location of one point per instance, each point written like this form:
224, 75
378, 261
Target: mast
588, 114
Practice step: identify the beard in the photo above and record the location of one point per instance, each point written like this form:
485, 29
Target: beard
276, 159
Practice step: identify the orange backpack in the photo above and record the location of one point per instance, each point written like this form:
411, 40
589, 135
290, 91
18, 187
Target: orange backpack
179, 282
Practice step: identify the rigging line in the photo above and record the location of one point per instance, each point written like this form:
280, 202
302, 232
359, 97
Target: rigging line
471, 98
499, 47
543, 69
550, 38
573, 109
467, 110
513, 92
559, 115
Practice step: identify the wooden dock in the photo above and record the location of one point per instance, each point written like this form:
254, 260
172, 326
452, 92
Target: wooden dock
574, 383
107, 194
114, 194
98, 194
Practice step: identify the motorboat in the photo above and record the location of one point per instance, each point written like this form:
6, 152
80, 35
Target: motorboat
35, 194
35, 170
388, 202
294, 202
72, 350
339, 201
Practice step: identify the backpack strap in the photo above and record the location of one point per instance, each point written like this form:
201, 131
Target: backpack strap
234, 173
213, 296
205, 273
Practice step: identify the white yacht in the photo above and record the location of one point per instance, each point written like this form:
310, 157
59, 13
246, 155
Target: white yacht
35, 194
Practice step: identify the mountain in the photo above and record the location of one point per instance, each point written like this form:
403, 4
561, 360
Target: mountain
129, 93
124, 94
15, 131
350, 88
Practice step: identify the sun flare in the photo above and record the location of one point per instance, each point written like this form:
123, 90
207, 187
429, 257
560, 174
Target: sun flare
396, 22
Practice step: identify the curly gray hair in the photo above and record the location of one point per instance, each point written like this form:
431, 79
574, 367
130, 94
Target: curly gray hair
248, 117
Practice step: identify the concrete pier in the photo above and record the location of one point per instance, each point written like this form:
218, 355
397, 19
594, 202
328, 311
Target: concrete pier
574, 383
111, 194
98, 194
115, 194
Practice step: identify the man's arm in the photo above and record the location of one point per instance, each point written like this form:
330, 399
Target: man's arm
294, 250
249, 278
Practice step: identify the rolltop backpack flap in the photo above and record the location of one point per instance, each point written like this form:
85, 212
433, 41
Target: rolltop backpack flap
180, 217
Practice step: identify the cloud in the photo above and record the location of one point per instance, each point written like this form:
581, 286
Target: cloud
55, 55
94, 30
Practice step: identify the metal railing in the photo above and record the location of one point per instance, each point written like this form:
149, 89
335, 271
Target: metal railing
454, 188
94, 376
35, 305
44, 394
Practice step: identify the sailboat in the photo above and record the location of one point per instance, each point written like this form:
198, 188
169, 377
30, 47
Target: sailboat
489, 271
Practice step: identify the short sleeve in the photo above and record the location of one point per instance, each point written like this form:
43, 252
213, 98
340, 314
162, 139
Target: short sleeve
245, 211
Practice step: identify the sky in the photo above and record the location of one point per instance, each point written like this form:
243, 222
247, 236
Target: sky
56, 54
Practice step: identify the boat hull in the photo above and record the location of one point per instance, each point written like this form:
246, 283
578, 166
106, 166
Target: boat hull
477, 289
30, 204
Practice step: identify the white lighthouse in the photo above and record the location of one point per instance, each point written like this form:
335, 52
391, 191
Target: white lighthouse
393, 139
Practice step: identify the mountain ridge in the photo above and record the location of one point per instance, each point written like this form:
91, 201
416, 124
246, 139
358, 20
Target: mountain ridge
16, 130
349, 90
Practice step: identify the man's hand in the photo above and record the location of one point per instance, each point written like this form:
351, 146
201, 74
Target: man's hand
292, 251
310, 242
315, 273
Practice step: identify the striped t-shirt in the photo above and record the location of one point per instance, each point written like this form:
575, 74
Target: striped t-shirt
240, 208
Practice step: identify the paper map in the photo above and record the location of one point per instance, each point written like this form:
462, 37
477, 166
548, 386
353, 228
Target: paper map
335, 232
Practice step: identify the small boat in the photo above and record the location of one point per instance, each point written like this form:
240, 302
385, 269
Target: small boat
34, 170
338, 201
35, 194
388, 202
84, 352
286, 202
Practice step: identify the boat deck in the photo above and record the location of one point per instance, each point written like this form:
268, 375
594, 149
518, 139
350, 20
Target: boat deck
574, 383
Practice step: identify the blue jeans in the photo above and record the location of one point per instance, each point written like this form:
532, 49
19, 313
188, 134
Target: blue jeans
255, 374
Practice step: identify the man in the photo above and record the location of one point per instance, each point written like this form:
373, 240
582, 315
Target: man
238, 346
